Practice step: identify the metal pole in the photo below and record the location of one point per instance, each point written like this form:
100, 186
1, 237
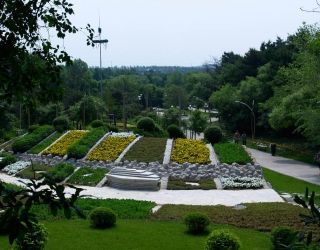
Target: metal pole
253, 131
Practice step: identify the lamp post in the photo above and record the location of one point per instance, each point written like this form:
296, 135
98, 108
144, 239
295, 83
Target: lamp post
253, 131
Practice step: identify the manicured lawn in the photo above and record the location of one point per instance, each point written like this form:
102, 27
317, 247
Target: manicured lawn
87, 176
138, 234
30, 174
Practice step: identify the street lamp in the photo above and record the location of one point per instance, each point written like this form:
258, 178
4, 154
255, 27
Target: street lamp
253, 131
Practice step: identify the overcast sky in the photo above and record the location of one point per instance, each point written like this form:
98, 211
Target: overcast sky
182, 32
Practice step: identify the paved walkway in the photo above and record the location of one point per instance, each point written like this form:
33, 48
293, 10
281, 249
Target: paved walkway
296, 169
293, 168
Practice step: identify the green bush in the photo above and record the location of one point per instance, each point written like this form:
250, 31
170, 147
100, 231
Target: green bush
60, 171
222, 240
160, 134
80, 148
30, 140
196, 222
102, 217
113, 128
213, 134
279, 235
175, 132
34, 239
33, 128
7, 159
96, 124
61, 123
146, 124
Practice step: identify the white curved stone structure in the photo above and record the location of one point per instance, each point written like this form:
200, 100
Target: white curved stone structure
132, 179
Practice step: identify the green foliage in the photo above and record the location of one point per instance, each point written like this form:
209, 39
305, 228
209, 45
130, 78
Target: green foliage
33, 128
97, 123
213, 134
61, 123
175, 132
102, 217
60, 171
34, 63
279, 236
198, 121
81, 147
7, 159
147, 149
160, 134
222, 240
30, 140
113, 128
196, 222
146, 123
88, 176
170, 117
44, 144
17, 219
34, 239
231, 152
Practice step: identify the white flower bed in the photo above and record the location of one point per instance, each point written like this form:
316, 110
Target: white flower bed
16, 167
241, 182
122, 134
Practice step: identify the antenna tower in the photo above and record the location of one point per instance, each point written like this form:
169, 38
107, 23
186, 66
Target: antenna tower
99, 42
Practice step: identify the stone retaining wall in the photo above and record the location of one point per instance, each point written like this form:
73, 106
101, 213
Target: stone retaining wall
186, 171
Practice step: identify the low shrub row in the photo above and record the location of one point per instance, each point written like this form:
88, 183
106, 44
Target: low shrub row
30, 140
43, 145
60, 171
81, 147
230, 153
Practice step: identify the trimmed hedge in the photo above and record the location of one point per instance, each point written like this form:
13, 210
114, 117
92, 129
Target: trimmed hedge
147, 124
80, 148
96, 124
61, 123
213, 134
175, 132
30, 140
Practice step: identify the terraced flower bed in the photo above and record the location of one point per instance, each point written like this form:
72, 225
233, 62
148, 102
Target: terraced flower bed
60, 147
88, 176
192, 151
43, 145
147, 149
111, 147
16, 167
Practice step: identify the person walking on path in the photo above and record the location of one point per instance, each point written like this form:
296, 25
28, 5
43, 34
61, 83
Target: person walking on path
244, 138
236, 137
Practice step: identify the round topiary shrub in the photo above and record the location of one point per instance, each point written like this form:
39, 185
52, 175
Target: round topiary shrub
213, 134
279, 235
6, 159
102, 217
34, 239
146, 123
33, 128
113, 128
175, 132
96, 124
61, 123
222, 240
196, 222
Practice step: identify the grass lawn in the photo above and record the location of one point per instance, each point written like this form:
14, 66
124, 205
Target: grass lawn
287, 184
138, 234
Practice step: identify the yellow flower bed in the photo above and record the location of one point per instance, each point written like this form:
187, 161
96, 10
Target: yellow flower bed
192, 151
110, 148
60, 147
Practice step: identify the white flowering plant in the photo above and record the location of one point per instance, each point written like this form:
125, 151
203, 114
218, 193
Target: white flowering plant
241, 182
122, 134
16, 167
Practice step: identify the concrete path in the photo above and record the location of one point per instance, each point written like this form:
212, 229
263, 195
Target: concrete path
296, 169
